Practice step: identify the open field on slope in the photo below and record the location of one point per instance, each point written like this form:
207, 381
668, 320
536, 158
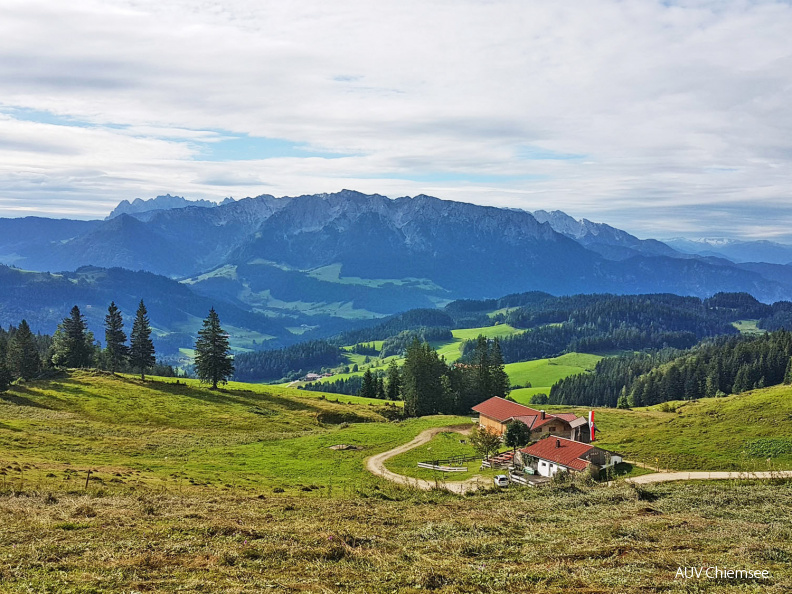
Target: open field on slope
543, 373
748, 327
166, 436
738, 432
568, 539
185, 497
452, 350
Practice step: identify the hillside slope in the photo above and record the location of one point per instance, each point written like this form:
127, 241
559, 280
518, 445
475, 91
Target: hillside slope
163, 433
738, 432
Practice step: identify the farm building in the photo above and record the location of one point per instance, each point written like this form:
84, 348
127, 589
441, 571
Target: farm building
496, 413
552, 454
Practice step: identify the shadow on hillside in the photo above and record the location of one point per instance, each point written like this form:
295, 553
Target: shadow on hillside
5, 427
20, 400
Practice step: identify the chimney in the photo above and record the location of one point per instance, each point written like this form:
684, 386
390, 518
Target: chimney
543, 414
558, 443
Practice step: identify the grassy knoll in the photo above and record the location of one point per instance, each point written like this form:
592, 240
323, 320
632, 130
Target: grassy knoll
167, 436
557, 540
543, 373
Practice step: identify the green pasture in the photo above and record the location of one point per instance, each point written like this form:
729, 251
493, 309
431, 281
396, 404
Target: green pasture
442, 446
543, 373
163, 435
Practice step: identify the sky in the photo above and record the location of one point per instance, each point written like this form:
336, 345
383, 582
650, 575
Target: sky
662, 118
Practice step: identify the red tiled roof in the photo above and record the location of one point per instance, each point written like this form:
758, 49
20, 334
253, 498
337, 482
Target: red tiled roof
502, 410
568, 454
527, 419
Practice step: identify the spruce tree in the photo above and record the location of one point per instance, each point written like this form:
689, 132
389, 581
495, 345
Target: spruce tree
213, 361
72, 344
393, 391
5, 373
501, 385
23, 355
369, 387
141, 349
380, 388
116, 350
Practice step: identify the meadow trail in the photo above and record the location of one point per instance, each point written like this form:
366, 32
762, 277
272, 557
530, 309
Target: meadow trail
376, 464
664, 477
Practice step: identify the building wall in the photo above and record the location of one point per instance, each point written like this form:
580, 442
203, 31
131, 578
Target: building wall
561, 430
486, 422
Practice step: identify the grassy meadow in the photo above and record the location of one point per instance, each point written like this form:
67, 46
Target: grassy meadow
570, 538
167, 436
237, 490
543, 373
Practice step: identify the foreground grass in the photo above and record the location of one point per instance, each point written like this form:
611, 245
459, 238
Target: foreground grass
571, 539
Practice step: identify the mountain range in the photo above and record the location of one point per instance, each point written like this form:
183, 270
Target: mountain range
302, 266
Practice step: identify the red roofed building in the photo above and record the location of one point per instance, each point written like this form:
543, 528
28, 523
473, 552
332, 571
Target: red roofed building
547, 456
496, 413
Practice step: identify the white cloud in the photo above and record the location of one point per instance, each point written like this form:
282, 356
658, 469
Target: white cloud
675, 109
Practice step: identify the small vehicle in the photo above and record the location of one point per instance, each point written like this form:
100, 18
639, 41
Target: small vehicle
501, 480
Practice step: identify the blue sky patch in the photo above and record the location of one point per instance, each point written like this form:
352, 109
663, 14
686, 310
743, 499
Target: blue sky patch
247, 148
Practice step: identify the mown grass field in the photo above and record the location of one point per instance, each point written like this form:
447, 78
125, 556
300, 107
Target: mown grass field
442, 446
452, 350
738, 432
543, 373
557, 540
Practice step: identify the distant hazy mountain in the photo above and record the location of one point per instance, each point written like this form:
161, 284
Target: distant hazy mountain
735, 250
607, 241
139, 206
318, 260
175, 310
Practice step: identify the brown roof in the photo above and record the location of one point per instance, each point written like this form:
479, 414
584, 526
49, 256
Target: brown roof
504, 410
558, 450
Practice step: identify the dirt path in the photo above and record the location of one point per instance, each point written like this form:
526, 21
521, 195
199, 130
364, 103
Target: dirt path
376, 465
662, 477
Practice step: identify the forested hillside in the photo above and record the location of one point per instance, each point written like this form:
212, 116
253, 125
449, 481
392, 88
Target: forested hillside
720, 366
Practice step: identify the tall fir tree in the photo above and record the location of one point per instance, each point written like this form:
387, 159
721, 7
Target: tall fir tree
424, 387
116, 350
380, 388
141, 348
393, 391
369, 387
213, 361
5, 372
72, 344
23, 355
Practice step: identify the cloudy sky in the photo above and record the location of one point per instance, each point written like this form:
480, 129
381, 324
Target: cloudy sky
663, 118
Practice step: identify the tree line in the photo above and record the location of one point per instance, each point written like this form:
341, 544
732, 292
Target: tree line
26, 356
717, 367
429, 386
288, 363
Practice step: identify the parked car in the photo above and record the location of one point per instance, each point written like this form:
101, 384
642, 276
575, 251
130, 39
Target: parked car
501, 480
